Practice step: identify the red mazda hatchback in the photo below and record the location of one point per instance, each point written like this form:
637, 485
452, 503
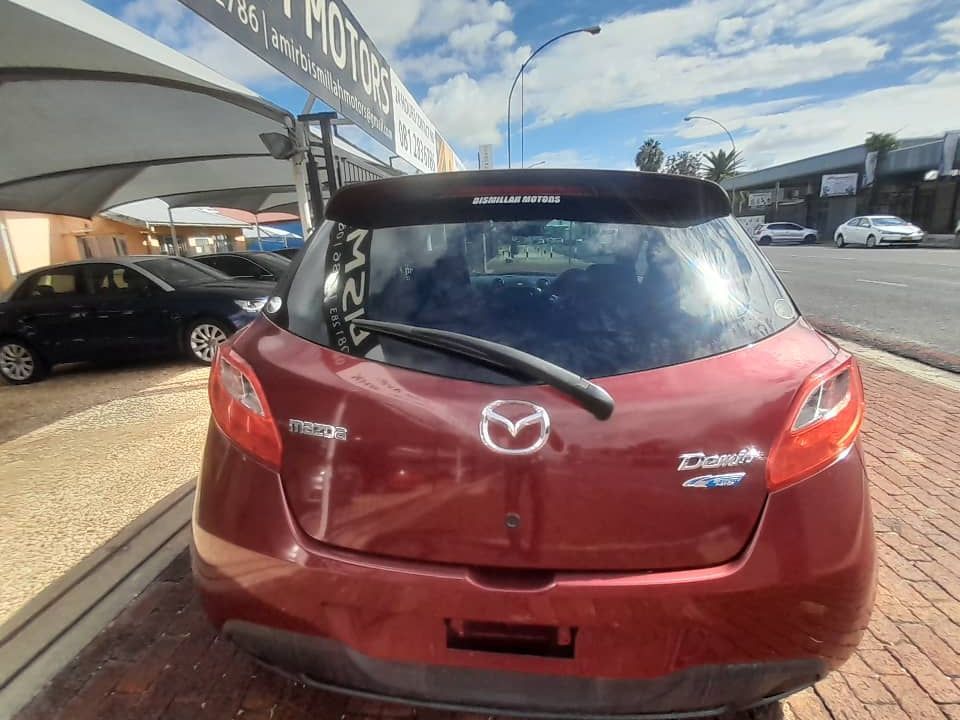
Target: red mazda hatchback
545, 443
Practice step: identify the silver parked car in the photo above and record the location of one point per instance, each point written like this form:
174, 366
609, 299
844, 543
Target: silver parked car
784, 232
876, 230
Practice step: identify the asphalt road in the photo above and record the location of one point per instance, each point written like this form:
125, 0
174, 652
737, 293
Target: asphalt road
899, 298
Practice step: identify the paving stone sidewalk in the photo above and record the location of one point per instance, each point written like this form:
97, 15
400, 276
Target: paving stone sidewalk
160, 659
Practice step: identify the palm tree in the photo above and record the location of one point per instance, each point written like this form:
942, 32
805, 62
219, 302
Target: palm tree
684, 163
722, 164
650, 156
881, 142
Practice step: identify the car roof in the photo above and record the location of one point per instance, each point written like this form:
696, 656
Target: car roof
113, 260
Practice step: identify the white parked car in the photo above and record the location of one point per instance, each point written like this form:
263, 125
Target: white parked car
784, 232
876, 230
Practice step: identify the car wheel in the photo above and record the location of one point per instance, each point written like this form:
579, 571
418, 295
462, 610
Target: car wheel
765, 240
810, 240
839, 241
19, 363
203, 339
871, 242
956, 239
772, 711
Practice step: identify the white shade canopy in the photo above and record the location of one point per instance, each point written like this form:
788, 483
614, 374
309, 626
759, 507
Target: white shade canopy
96, 114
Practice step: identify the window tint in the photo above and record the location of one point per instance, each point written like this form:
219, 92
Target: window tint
177, 272
232, 265
108, 279
276, 264
793, 226
63, 281
596, 298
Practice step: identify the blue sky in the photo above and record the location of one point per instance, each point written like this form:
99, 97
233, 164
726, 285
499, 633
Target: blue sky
789, 79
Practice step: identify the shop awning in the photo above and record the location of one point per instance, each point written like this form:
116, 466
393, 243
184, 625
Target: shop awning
96, 114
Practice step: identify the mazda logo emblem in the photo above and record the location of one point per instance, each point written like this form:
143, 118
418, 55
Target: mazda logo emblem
514, 416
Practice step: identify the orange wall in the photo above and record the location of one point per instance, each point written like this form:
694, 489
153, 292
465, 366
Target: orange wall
37, 240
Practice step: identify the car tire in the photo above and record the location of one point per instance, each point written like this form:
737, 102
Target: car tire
956, 240
203, 337
771, 711
20, 364
765, 240
839, 241
871, 241
810, 240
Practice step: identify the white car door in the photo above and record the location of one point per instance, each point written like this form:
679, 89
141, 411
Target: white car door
794, 232
852, 232
866, 230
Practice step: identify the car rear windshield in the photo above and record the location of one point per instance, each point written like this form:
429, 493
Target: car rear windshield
597, 298
180, 273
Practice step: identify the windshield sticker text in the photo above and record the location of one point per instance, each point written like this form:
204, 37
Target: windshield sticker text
517, 200
346, 289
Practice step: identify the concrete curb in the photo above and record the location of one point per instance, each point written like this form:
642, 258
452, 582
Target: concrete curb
905, 349
43, 636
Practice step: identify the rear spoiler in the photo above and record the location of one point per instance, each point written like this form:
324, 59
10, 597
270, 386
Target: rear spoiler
607, 196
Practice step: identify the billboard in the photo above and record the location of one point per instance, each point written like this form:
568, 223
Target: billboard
320, 46
839, 185
760, 199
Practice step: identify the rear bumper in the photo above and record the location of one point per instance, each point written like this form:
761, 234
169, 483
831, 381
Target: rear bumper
791, 607
710, 689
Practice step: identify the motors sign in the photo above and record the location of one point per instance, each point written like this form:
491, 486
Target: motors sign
320, 46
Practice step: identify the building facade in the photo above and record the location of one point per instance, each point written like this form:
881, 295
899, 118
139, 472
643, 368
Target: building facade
32, 240
919, 181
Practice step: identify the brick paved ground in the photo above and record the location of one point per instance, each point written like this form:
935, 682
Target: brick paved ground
159, 659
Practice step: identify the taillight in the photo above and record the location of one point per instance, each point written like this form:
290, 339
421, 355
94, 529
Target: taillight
823, 423
240, 408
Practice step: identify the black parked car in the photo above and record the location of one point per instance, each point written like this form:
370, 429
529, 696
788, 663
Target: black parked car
112, 308
266, 266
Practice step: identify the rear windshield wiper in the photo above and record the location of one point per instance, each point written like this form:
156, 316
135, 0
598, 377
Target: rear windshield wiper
592, 397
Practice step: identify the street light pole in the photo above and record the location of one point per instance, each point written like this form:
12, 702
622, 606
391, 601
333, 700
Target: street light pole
592, 30
723, 127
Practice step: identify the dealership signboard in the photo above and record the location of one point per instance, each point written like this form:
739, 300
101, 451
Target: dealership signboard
320, 46
751, 223
762, 198
839, 185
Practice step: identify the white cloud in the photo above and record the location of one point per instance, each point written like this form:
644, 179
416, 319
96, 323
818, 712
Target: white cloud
463, 109
173, 24
677, 56
410, 21
820, 127
950, 31
863, 16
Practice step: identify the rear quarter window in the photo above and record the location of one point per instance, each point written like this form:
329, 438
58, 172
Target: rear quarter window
597, 298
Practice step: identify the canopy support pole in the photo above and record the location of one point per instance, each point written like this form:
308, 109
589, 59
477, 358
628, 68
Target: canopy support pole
173, 231
300, 161
256, 220
8, 250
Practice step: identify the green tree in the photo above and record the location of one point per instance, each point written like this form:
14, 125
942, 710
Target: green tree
684, 163
722, 164
649, 157
881, 142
